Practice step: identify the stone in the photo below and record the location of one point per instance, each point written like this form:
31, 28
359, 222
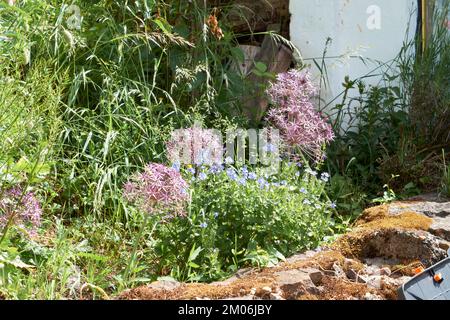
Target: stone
294, 283
371, 296
316, 277
385, 271
399, 244
338, 271
263, 293
441, 227
438, 211
276, 296
164, 285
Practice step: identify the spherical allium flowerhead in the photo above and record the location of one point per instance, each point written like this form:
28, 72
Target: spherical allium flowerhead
21, 208
291, 87
195, 146
158, 188
300, 125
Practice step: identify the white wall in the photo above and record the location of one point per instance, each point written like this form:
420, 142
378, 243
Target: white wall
355, 30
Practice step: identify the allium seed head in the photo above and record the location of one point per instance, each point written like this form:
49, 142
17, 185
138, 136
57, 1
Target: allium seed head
157, 188
294, 115
22, 208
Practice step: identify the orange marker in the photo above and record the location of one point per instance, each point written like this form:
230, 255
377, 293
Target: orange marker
418, 270
438, 277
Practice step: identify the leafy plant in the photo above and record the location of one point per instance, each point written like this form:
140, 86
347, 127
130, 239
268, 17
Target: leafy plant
239, 216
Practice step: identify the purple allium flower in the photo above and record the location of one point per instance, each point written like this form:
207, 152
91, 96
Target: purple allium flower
158, 187
294, 114
195, 146
23, 209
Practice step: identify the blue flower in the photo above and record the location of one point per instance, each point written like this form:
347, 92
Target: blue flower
243, 181
202, 176
229, 160
191, 170
325, 177
333, 205
275, 184
307, 202
216, 214
262, 183
297, 174
232, 174
216, 168
269, 148
252, 176
203, 225
311, 172
303, 190
176, 166
244, 171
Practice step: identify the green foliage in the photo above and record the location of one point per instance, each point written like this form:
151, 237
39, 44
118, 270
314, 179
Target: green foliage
445, 182
234, 222
398, 127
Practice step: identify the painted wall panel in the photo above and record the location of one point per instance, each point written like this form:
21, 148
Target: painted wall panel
373, 29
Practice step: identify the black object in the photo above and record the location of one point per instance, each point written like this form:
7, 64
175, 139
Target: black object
426, 286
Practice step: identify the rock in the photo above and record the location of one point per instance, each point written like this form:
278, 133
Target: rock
441, 227
302, 257
428, 208
351, 274
316, 277
294, 283
277, 296
371, 296
393, 243
438, 211
385, 271
263, 293
374, 282
164, 285
338, 271
444, 245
